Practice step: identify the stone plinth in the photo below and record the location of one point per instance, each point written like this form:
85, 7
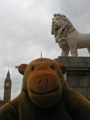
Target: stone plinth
78, 73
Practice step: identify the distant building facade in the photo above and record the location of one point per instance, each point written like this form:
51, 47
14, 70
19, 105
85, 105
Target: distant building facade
7, 90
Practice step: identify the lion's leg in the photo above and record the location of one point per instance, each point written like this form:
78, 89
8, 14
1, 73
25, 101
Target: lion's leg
65, 52
73, 52
73, 48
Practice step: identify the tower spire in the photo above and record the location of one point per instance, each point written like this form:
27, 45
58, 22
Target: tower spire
41, 54
7, 88
8, 75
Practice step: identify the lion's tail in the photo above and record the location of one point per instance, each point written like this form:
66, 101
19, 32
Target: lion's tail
88, 49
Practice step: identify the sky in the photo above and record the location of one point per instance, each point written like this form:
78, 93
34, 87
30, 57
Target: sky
25, 32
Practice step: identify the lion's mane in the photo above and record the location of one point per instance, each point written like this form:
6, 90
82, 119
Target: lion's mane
61, 26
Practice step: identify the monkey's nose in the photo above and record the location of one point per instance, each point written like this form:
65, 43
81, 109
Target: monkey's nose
43, 83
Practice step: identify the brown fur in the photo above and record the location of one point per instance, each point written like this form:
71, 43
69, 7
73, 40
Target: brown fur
45, 95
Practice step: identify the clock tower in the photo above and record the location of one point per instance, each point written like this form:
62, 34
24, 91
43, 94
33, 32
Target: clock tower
7, 88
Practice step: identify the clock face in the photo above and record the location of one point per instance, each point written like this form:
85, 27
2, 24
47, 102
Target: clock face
7, 84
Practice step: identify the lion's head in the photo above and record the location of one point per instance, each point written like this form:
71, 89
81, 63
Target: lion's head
61, 26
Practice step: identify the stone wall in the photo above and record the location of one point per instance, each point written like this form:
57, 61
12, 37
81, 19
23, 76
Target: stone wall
78, 73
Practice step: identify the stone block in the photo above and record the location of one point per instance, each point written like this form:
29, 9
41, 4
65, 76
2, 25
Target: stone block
66, 64
87, 59
84, 81
76, 59
73, 81
88, 64
87, 73
63, 59
77, 73
71, 64
88, 93
81, 81
56, 60
82, 64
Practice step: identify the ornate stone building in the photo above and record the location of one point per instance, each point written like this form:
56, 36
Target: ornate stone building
7, 90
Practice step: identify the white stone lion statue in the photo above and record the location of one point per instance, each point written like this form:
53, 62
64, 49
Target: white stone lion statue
68, 38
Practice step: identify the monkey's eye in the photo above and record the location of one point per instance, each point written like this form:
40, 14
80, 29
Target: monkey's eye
32, 68
52, 67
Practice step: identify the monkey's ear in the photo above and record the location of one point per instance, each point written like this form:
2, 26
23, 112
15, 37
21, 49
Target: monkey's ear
22, 68
63, 68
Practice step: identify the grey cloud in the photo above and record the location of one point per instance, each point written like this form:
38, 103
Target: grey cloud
25, 32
